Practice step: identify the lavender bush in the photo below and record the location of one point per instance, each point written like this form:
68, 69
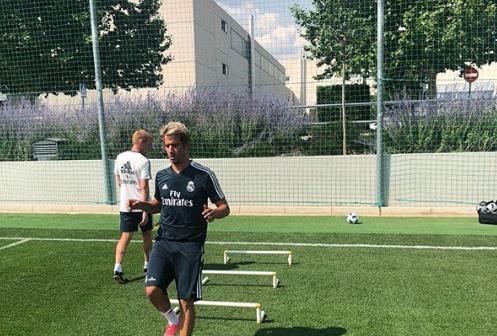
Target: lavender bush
235, 124
223, 124
23, 124
459, 125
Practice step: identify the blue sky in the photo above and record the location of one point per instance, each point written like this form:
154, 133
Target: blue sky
275, 27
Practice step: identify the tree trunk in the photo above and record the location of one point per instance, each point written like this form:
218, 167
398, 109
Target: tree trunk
344, 121
432, 86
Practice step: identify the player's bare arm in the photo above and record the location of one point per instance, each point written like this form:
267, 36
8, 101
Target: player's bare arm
221, 210
144, 192
118, 180
153, 206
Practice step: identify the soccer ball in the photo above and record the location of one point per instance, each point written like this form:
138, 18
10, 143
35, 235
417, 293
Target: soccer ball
481, 207
352, 218
491, 207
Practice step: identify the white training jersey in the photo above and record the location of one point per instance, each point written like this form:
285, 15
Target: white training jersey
131, 167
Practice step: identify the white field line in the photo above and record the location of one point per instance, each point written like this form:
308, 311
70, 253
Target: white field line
64, 239
418, 247
24, 240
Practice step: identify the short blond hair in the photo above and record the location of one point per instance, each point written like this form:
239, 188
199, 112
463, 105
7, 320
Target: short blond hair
139, 135
176, 128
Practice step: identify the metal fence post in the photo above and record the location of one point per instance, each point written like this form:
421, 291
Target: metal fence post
379, 107
109, 199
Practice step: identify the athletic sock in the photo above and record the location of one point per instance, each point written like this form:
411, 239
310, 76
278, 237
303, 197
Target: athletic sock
171, 316
145, 264
118, 268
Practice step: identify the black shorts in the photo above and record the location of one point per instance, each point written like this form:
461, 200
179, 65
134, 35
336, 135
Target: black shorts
129, 222
178, 261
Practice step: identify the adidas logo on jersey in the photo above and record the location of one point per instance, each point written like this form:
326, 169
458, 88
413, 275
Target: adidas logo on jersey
126, 168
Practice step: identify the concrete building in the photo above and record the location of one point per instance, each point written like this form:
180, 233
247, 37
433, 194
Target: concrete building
300, 80
300, 73
209, 49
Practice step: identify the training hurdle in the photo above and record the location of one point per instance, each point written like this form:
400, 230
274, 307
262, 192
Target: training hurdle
263, 273
260, 314
227, 252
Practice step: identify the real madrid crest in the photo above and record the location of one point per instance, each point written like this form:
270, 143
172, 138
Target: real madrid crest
190, 187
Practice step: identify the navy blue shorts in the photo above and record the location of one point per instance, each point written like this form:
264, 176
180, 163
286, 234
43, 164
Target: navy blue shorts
129, 222
179, 261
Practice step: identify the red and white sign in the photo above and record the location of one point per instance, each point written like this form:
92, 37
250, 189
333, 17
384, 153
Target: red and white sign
470, 74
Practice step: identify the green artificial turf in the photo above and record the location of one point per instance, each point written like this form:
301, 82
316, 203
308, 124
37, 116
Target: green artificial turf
64, 287
283, 224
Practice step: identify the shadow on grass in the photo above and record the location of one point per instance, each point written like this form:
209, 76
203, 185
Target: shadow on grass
209, 317
301, 331
260, 262
221, 284
138, 278
227, 267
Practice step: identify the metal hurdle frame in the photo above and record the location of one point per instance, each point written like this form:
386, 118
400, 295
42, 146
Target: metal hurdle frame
260, 314
276, 281
227, 252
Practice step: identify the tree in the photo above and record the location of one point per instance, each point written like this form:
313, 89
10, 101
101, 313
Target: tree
430, 37
422, 38
339, 33
47, 47
340, 37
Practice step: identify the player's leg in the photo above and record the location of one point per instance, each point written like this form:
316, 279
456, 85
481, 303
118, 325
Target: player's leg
189, 262
158, 297
121, 247
187, 320
160, 274
128, 224
147, 242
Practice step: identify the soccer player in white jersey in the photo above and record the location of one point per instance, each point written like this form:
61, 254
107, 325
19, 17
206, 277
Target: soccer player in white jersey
132, 172
181, 194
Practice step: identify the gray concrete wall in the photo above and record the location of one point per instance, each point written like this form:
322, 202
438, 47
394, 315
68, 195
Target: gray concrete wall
441, 179
432, 180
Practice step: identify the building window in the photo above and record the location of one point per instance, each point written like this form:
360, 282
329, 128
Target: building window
257, 59
224, 26
287, 78
239, 44
224, 69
